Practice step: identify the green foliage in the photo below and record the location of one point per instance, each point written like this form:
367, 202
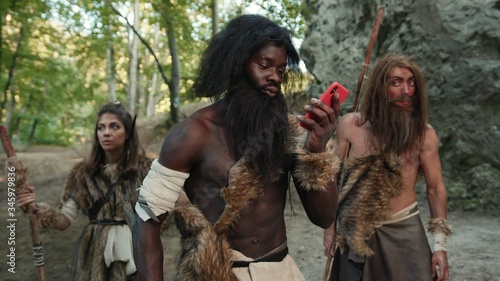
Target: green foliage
53, 74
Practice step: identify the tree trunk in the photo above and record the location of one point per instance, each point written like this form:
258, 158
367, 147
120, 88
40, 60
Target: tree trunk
11, 76
176, 72
110, 57
111, 72
151, 102
41, 104
215, 17
133, 62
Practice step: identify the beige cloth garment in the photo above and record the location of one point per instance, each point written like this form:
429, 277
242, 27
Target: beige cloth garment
286, 269
402, 215
119, 247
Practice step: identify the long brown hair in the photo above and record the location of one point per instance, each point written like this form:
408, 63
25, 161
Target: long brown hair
132, 151
375, 107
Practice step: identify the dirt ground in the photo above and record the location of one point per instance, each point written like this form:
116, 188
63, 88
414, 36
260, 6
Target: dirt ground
473, 249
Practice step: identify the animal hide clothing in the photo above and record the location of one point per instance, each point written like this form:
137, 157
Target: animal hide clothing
160, 190
206, 253
401, 252
367, 185
107, 225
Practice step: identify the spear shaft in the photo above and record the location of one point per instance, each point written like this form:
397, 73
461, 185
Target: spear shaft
366, 63
16, 167
368, 55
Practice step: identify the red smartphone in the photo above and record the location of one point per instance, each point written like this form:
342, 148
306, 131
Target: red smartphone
327, 98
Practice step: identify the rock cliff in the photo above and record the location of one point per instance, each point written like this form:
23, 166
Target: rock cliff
457, 45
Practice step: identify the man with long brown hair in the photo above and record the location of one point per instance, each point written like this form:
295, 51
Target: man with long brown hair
385, 147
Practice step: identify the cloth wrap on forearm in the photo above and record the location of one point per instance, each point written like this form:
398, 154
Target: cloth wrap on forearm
159, 191
315, 170
440, 230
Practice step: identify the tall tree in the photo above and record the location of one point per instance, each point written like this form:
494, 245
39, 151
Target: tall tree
215, 17
152, 99
174, 84
110, 58
134, 61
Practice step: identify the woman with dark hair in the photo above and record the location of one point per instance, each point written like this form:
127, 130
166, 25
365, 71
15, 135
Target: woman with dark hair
103, 187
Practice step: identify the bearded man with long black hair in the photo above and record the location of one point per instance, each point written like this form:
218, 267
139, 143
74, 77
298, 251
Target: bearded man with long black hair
385, 147
233, 160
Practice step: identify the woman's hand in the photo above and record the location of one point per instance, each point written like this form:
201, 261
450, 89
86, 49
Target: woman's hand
25, 197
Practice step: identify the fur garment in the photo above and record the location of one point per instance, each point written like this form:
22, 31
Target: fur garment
206, 251
367, 185
439, 225
315, 170
85, 190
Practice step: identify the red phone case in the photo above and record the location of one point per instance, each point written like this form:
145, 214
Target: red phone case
327, 98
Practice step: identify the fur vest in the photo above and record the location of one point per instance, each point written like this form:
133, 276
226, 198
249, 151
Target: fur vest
367, 185
86, 190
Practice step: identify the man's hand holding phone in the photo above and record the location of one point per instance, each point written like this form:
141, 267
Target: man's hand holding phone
316, 115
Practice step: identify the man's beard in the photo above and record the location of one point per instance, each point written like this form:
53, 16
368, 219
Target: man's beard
404, 132
257, 129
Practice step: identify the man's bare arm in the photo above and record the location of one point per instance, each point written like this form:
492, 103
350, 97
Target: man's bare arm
178, 152
436, 194
148, 253
431, 167
320, 206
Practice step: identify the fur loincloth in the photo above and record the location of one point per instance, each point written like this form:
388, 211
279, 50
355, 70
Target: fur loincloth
367, 185
206, 253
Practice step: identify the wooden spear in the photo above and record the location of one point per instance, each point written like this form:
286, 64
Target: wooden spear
359, 86
20, 179
368, 55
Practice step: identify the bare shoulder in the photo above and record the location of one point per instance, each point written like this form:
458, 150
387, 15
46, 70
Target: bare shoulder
431, 141
349, 122
187, 139
350, 118
431, 135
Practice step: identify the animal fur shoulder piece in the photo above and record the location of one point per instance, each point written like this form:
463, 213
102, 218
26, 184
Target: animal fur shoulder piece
85, 189
206, 254
367, 185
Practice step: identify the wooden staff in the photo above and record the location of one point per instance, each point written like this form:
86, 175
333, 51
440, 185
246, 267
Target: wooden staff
16, 167
327, 268
366, 63
368, 55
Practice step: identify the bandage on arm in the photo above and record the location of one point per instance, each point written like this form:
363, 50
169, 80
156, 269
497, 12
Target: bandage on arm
440, 230
159, 191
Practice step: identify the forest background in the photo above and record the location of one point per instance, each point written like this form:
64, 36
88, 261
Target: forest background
60, 60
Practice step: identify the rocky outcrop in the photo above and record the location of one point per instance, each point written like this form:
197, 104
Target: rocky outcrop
457, 45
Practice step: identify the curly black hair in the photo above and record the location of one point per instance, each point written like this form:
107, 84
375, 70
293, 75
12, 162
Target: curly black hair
223, 61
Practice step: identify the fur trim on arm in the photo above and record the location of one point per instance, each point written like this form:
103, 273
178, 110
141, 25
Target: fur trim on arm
47, 214
315, 170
